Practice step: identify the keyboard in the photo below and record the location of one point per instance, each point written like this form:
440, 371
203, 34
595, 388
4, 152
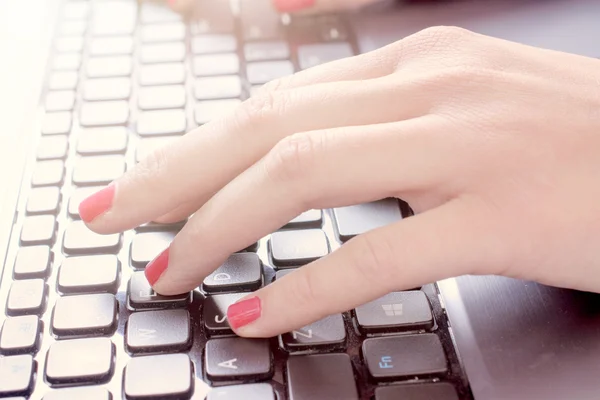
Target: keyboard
78, 318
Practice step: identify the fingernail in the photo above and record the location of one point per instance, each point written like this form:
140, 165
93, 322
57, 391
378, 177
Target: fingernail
244, 312
96, 204
293, 5
156, 267
171, 2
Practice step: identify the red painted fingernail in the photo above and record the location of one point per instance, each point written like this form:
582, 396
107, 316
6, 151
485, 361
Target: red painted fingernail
171, 2
242, 313
156, 267
96, 204
293, 5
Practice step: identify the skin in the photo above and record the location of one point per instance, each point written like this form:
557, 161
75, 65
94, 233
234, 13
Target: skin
494, 145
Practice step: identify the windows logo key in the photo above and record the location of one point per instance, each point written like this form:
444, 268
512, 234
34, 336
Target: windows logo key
392, 310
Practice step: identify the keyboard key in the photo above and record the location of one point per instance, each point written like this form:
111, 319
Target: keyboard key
283, 272
38, 230
259, 73
308, 219
266, 51
85, 315
260, 20
162, 74
63, 80
213, 17
75, 11
236, 358
158, 377
73, 28
77, 197
162, 53
20, 335
395, 357
425, 391
111, 46
292, 248
52, 147
104, 113
209, 110
353, 220
147, 246
152, 13
109, 67
112, 18
27, 297
214, 312
156, 331
149, 145
107, 89
89, 274
240, 272
161, 97
66, 62
141, 295
79, 239
160, 227
211, 44
162, 122
321, 376
218, 87
44, 200
89, 361
98, 170
328, 333
48, 173
216, 64
87, 393
332, 28
32, 262
166, 32
16, 375
60, 100
311, 55
98, 141
57, 123
69, 45
256, 391
395, 311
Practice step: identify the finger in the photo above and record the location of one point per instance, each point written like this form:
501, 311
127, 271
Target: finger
441, 243
319, 169
178, 214
200, 163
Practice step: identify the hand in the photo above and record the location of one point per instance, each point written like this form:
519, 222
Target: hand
495, 145
306, 6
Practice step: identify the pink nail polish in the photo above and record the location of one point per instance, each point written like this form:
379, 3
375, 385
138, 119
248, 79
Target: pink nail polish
157, 267
244, 312
97, 204
293, 5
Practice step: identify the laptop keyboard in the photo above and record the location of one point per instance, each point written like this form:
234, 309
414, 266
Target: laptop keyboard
78, 318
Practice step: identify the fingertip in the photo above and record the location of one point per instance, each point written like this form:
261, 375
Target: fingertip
242, 314
97, 204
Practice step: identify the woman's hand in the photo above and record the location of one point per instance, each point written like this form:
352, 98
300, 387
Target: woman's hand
293, 6
495, 145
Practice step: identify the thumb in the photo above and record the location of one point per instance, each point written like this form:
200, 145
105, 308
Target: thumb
438, 244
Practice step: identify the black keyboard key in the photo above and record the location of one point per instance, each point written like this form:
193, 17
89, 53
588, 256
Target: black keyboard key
48, 173
97, 141
16, 375
425, 391
292, 248
214, 313
66, 80
89, 274
81, 361
66, 62
52, 147
212, 17
104, 113
218, 87
328, 333
157, 13
32, 262
45, 200
322, 376
158, 331
79, 239
147, 246
77, 196
260, 20
60, 100
267, 51
161, 97
162, 74
85, 315
311, 55
103, 89
283, 272
114, 18
308, 219
141, 295
407, 311
161, 123
38, 230
209, 110
20, 334
228, 359
255, 391
98, 170
259, 73
111, 46
407, 356
69, 44
58, 123
109, 67
240, 272
216, 64
27, 297
87, 393
166, 32
158, 377
332, 28
216, 43
162, 53
353, 220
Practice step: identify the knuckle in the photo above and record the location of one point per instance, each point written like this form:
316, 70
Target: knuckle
303, 290
375, 260
147, 170
434, 40
292, 157
260, 110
